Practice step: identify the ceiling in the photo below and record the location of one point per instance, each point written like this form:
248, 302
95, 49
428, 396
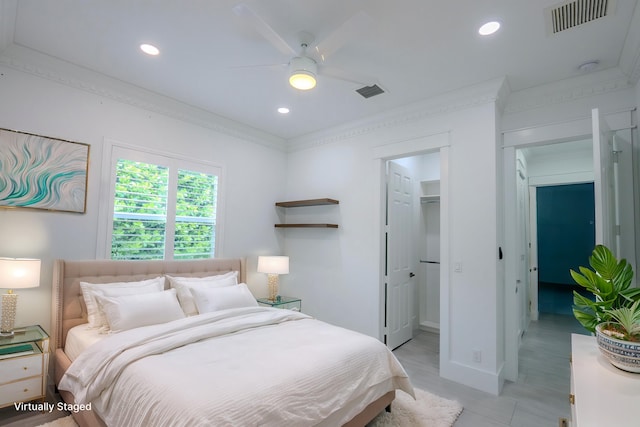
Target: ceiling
413, 49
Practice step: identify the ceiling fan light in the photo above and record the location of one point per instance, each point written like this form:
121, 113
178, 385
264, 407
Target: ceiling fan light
302, 80
303, 72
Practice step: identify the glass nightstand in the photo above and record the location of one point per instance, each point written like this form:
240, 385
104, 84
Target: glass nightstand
289, 303
24, 360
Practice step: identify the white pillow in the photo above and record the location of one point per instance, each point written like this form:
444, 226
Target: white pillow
214, 299
183, 286
90, 290
133, 311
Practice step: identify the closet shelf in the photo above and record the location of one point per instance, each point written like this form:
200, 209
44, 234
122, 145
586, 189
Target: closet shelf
310, 202
430, 198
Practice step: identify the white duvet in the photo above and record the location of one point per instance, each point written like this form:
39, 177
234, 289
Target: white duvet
240, 367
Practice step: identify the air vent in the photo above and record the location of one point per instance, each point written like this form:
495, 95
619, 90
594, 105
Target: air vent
573, 13
369, 91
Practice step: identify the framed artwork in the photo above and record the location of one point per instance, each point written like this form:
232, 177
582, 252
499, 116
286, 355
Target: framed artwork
42, 173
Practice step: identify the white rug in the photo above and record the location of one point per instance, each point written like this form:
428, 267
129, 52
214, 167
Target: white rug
428, 410
61, 422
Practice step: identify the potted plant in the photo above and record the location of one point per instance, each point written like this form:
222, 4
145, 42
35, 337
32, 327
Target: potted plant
625, 324
613, 314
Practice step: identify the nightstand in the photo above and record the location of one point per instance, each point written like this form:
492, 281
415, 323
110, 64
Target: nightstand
289, 303
24, 361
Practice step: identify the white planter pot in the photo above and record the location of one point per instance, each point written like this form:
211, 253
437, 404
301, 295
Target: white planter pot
622, 354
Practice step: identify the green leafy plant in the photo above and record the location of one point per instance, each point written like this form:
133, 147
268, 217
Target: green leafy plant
627, 326
610, 283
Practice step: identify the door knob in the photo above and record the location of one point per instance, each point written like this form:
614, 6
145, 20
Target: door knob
411, 274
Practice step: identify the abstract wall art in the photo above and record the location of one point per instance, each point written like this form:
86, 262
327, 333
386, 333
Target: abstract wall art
42, 173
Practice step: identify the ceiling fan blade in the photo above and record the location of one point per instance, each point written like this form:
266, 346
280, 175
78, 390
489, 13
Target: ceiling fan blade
244, 11
240, 67
348, 76
351, 28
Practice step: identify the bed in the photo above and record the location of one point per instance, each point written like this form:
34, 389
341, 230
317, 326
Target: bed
224, 365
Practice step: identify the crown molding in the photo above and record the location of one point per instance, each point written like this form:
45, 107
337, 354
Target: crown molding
46, 67
492, 91
568, 90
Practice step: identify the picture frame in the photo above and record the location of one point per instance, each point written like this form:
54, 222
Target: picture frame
42, 172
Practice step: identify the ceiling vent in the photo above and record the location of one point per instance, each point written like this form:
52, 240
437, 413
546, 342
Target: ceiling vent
369, 91
573, 13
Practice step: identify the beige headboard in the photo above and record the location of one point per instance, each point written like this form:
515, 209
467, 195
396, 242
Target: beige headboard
67, 309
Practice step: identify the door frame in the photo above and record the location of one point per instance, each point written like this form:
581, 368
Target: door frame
511, 142
512, 337
533, 252
381, 154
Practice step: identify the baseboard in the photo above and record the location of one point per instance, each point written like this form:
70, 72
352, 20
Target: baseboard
491, 382
429, 327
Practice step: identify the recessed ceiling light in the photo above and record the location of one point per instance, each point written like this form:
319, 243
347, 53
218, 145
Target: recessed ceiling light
283, 110
149, 49
489, 28
588, 66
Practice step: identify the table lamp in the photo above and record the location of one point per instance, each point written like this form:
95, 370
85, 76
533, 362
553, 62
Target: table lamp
273, 266
15, 273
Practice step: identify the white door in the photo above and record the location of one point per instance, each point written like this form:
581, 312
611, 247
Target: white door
522, 281
603, 182
400, 262
533, 253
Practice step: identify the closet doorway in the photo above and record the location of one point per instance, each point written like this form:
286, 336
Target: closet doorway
425, 244
438, 145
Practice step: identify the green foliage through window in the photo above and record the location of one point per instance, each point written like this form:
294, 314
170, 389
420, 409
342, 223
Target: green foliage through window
143, 221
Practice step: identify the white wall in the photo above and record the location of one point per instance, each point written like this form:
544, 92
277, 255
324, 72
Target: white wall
337, 271
254, 177
557, 165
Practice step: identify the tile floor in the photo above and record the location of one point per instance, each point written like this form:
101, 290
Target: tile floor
537, 399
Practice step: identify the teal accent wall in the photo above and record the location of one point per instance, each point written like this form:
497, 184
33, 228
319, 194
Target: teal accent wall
566, 230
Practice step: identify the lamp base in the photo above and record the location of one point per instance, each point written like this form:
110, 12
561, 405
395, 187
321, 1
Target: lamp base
272, 282
7, 322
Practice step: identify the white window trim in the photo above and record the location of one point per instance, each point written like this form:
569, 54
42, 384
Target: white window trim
111, 151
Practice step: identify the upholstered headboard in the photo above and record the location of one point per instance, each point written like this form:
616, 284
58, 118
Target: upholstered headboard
68, 309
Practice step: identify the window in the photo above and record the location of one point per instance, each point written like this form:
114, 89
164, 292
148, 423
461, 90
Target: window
162, 207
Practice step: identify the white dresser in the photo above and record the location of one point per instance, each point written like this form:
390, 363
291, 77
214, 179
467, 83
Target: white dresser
602, 394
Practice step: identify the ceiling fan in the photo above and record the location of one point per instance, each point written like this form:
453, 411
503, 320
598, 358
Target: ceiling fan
308, 59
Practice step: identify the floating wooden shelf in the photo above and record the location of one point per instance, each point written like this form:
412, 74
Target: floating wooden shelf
310, 202
306, 225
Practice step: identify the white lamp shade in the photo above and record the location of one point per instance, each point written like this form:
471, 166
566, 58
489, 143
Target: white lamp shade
273, 264
16, 273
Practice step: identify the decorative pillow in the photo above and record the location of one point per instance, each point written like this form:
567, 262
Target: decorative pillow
183, 286
133, 311
90, 290
214, 299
